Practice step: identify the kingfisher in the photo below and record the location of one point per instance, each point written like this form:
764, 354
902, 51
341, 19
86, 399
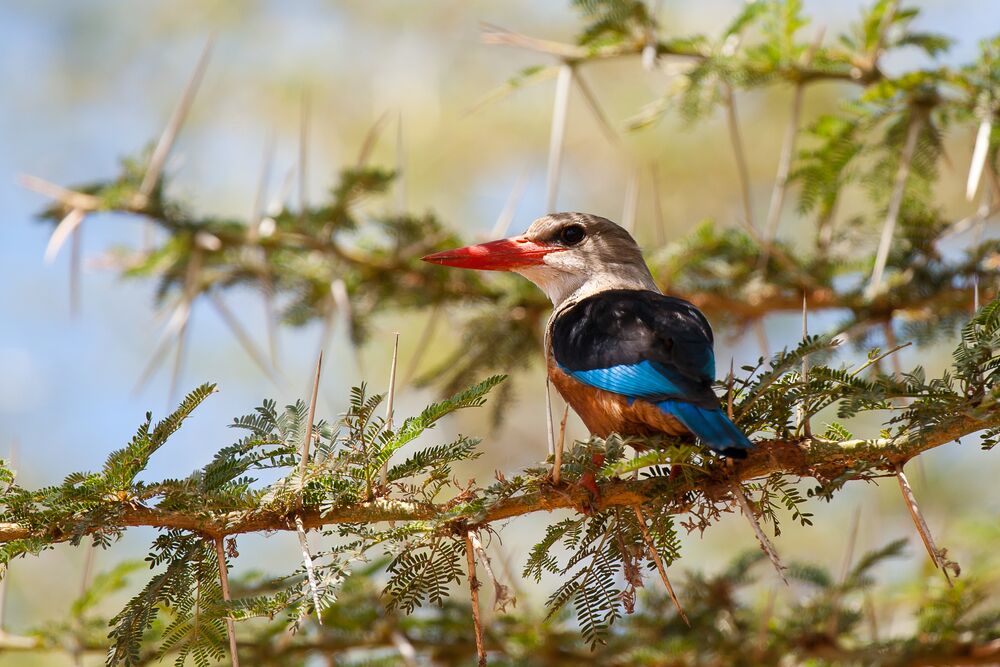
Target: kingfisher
626, 357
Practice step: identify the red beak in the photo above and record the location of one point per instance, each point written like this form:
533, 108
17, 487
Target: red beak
502, 255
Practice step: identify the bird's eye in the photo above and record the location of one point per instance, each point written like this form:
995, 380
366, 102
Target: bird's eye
571, 235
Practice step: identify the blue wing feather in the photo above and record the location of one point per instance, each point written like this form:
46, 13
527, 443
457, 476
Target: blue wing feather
641, 380
648, 379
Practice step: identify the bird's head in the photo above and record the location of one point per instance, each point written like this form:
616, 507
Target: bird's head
565, 254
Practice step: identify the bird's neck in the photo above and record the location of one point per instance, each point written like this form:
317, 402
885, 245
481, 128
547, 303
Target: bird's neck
565, 290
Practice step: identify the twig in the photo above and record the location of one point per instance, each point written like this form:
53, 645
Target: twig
502, 595
224, 580
736, 141
654, 555
895, 203
166, 142
560, 446
477, 622
310, 570
390, 399
304, 454
765, 544
558, 135
938, 556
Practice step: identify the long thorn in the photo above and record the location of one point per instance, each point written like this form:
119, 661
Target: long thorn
502, 595
785, 159
557, 137
560, 446
550, 427
390, 399
241, 335
191, 275
761, 332
400, 162
730, 384
166, 142
506, 216
655, 556
423, 343
937, 555
179, 354
220, 554
307, 561
781, 179
263, 184
404, 647
845, 569
175, 325
660, 232
803, 411
477, 622
895, 204
254, 232
75, 262
765, 544
68, 198
595, 107
304, 155
371, 137
631, 207
63, 231
979, 154
304, 455
736, 141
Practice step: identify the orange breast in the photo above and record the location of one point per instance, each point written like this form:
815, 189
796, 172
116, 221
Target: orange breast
605, 413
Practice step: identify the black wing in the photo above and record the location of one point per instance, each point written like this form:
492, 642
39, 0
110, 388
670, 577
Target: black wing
638, 343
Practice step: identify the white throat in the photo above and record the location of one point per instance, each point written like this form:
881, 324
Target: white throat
565, 287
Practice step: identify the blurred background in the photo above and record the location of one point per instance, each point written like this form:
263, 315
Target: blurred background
86, 83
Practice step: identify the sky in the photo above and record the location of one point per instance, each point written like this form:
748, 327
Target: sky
87, 83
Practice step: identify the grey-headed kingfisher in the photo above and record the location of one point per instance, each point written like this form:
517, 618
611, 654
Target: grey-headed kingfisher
627, 358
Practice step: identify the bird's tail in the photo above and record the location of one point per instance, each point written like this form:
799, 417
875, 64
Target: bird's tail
711, 425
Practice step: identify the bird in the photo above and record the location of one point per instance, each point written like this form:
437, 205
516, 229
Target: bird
626, 357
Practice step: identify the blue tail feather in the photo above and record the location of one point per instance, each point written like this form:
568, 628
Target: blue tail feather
711, 425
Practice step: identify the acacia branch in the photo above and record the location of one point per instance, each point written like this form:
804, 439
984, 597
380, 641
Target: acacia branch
805, 457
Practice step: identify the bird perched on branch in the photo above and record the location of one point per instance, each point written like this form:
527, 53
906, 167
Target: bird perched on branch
627, 358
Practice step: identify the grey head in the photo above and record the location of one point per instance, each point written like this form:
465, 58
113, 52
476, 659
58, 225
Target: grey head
595, 255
